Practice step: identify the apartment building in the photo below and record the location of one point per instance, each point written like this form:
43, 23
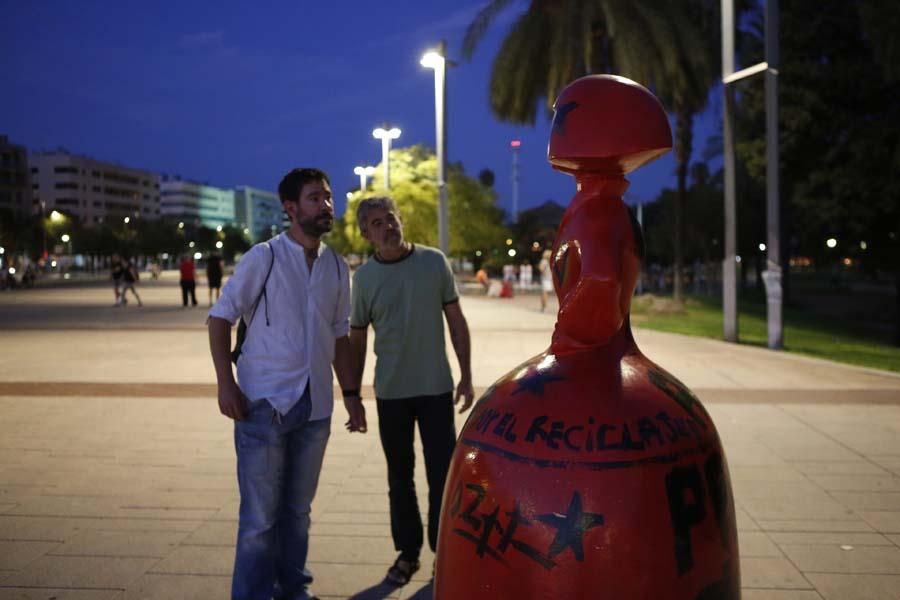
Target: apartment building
259, 213
195, 203
90, 190
15, 177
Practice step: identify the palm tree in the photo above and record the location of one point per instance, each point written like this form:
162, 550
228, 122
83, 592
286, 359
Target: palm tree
661, 44
683, 83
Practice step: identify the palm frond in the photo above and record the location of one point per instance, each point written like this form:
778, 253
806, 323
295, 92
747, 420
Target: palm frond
479, 26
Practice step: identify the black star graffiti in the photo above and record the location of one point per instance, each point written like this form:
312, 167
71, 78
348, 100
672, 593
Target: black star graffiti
559, 119
535, 381
570, 528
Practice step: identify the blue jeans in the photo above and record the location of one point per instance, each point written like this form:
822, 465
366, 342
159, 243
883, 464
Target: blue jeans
278, 464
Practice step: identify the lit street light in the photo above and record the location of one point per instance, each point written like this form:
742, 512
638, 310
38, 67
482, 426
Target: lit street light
127, 220
364, 173
67, 239
831, 242
386, 136
436, 59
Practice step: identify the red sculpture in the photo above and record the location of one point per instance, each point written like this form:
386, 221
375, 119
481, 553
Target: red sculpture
589, 471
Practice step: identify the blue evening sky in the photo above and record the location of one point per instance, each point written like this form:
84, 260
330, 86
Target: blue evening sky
237, 93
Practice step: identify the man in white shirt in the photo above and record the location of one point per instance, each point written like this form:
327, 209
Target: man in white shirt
293, 293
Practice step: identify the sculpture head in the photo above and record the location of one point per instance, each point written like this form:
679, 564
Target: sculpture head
604, 127
608, 125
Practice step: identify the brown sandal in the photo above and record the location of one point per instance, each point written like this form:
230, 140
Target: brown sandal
402, 571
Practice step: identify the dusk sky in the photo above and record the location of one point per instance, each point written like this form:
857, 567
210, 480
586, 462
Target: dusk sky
238, 93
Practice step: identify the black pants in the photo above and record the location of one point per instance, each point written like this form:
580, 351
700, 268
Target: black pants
188, 287
396, 424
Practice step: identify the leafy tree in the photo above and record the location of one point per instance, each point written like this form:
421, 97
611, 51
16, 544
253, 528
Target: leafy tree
669, 46
839, 125
486, 177
475, 221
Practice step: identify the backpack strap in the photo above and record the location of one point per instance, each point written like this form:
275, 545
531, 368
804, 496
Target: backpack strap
262, 293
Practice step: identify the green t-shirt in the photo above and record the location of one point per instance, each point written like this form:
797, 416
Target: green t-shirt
404, 302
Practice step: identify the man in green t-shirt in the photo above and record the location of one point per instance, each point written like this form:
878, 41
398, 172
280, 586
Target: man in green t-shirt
405, 292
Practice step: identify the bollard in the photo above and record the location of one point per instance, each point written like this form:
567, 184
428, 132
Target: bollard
589, 471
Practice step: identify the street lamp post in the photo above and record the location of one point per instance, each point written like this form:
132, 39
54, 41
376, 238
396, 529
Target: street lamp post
364, 173
436, 59
386, 136
515, 144
772, 277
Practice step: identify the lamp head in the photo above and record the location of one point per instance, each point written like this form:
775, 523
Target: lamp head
432, 59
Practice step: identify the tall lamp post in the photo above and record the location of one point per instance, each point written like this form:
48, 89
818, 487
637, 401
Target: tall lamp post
386, 136
515, 145
436, 59
364, 173
772, 275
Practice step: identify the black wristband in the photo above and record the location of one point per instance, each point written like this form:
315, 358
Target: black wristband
350, 393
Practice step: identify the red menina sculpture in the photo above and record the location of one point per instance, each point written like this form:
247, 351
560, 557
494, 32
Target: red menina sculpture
589, 471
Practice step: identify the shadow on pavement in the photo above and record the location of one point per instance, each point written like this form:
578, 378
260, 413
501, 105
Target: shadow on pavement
378, 591
383, 590
426, 592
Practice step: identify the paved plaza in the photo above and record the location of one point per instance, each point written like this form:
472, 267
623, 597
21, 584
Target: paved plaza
117, 475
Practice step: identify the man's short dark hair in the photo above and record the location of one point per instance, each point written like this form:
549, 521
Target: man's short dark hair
292, 184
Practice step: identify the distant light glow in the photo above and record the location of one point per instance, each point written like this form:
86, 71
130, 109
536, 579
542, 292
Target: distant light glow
191, 245
165, 256
65, 237
535, 246
509, 241
847, 262
198, 255
862, 246
180, 225
512, 252
219, 228
762, 247
12, 270
478, 253
53, 263
2, 250
219, 245
737, 258
127, 220
56, 216
831, 242
515, 143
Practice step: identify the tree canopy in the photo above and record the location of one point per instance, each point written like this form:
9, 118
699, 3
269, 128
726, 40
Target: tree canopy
475, 221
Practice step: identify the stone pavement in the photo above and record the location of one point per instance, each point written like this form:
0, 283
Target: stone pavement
117, 472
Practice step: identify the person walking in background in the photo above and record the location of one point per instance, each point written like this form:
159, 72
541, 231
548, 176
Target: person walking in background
116, 273
129, 279
293, 293
546, 278
405, 293
187, 279
214, 276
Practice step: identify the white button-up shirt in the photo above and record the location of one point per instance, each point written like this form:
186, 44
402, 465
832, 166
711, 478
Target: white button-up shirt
305, 311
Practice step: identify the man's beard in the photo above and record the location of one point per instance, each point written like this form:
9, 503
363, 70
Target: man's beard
317, 226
